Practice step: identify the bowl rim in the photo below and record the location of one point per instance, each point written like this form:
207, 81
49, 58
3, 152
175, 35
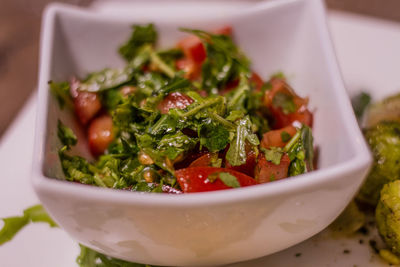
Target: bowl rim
359, 162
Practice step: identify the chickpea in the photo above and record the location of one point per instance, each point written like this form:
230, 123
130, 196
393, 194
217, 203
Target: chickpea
145, 159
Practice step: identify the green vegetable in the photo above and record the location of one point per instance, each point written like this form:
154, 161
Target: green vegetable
274, 154
387, 215
214, 137
66, 135
61, 92
300, 151
91, 258
87, 257
385, 110
360, 102
285, 136
173, 145
12, 225
106, 79
141, 35
350, 221
224, 60
236, 154
389, 257
384, 142
229, 180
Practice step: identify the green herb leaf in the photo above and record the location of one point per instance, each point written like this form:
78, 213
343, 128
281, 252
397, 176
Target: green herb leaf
285, 136
274, 154
300, 151
66, 135
236, 154
229, 180
285, 102
91, 258
214, 137
173, 145
106, 79
76, 168
224, 60
360, 102
308, 146
12, 225
141, 35
61, 92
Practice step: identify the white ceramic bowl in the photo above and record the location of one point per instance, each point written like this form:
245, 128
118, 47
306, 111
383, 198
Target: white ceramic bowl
215, 227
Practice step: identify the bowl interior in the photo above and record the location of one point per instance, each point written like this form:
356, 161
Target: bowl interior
282, 36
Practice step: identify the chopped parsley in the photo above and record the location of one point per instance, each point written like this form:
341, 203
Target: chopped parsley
285, 136
274, 154
229, 180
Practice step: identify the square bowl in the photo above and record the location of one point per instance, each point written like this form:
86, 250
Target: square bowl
215, 227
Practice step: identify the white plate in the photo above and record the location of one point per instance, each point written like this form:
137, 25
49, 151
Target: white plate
368, 54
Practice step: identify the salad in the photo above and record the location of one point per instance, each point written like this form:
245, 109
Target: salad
192, 118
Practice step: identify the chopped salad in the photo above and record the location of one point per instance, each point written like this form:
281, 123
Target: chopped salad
191, 118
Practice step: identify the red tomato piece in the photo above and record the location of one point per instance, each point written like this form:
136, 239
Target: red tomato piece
191, 69
302, 114
248, 167
193, 48
267, 171
203, 161
100, 134
195, 54
195, 179
192, 156
174, 100
274, 138
87, 105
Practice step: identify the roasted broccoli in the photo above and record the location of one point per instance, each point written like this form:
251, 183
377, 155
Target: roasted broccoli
388, 215
384, 141
385, 110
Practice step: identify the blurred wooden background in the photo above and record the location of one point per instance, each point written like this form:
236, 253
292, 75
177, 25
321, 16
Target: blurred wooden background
19, 44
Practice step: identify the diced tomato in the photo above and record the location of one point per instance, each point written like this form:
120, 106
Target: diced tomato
195, 179
267, 171
193, 48
195, 54
248, 167
302, 114
203, 161
274, 138
190, 157
100, 134
174, 100
86, 104
191, 69
257, 81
